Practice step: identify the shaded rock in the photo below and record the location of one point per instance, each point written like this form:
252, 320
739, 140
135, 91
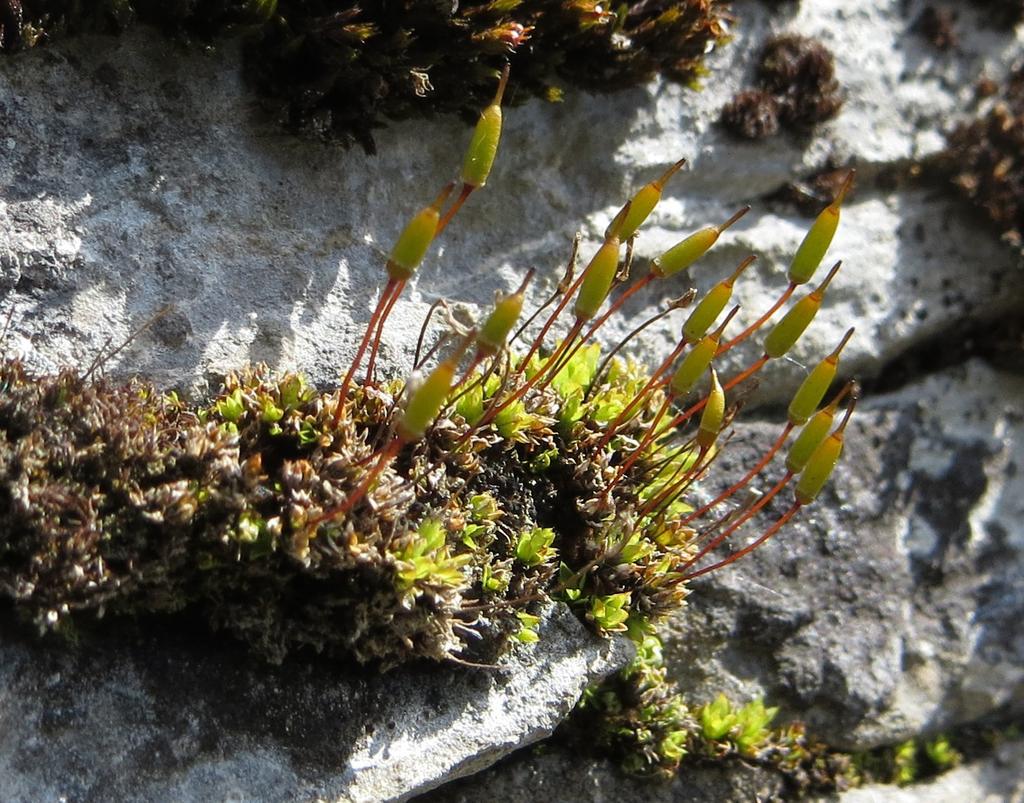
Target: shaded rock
893, 606
166, 715
555, 773
998, 779
136, 174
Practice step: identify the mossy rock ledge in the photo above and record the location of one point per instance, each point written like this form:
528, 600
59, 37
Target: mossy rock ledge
135, 173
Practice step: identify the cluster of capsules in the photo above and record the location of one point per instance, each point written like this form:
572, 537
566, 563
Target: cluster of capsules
812, 456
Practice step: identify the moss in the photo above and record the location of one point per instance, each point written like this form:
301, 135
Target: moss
295, 518
796, 89
983, 160
938, 27
640, 719
340, 69
388, 521
752, 114
117, 499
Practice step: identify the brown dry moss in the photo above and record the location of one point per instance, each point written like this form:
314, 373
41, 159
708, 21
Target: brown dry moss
341, 68
796, 89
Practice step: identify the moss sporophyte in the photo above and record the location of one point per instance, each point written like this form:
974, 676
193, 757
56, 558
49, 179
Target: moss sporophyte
390, 520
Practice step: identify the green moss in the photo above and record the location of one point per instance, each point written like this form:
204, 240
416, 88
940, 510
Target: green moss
116, 499
640, 719
340, 68
388, 522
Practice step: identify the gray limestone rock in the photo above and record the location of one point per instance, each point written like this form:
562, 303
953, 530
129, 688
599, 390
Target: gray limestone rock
168, 715
557, 774
893, 606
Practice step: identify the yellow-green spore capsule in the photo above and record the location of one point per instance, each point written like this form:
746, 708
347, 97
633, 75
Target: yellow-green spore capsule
483, 147
698, 360
819, 468
814, 387
425, 401
711, 306
787, 331
817, 240
687, 251
415, 239
599, 274
809, 439
428, 396
643, 203
597, 281
822, 462
496, 329
713, 415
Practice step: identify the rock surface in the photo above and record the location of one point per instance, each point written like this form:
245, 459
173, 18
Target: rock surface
136, 174
894, 606
167, 716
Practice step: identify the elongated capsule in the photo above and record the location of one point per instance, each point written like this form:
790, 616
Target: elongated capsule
599, 275
817, 240
815, 431
814, 387
713, 415
483, 147
643, 203
698, 359
429, 395
494, 333
821, 463
684, 253
710, 307
787, 331
416, 237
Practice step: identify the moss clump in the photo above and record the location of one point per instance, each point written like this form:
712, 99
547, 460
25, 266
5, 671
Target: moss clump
796, 90
391, 521
938, 26
752, 114
117, 499
984, 163
341, 68
637, 716
640, 719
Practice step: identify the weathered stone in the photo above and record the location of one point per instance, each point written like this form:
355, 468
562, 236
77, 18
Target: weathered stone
176, 716
893, 606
